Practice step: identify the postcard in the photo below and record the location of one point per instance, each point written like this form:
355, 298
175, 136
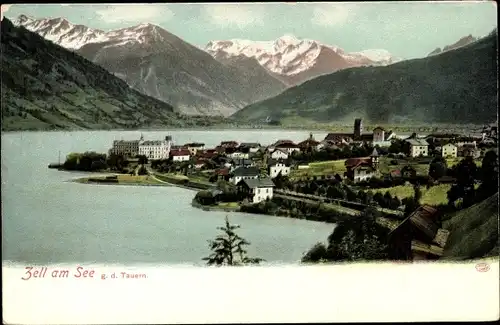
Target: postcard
249, 162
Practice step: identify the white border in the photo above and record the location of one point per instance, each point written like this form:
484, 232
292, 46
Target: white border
335, 293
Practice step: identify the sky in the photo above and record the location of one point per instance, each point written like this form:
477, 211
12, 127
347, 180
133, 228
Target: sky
405, 29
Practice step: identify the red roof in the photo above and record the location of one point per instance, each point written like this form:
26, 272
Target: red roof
180, 152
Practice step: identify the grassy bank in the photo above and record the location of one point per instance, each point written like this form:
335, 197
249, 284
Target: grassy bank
189, 182
125, 179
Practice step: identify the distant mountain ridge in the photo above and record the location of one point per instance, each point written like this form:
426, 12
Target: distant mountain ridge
461, 42
294, 60
162, 65
45, 87
457, 86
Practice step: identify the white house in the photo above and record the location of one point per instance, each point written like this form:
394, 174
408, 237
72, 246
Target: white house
279, 154
275, 168
156, 149
180, 155
449, 150
418, 147
258, 189
243, 173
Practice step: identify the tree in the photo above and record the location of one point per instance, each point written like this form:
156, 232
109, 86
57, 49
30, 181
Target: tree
228, 248
142, 171
438, 168
142, 159
354, 239
489, 175
465, 173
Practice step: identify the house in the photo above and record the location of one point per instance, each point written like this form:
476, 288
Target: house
288, 147
257, 189
417, 147
408, 172
194, 147
279, 154
419, 236
252, 147
156, 149
469, 150
180, 155
238, 162
229, 144
277, 167
242, 173
309, 144
449, 150
395, 173
359, 169
239, 154
199, 164
223, 174
338, 138
207, 154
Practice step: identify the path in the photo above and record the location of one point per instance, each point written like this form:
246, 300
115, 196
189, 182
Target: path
316, 198
152, 174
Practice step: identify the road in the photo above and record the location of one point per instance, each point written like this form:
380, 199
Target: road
328, 200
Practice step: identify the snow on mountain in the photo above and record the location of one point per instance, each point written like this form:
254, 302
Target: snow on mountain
62, 32
290, 56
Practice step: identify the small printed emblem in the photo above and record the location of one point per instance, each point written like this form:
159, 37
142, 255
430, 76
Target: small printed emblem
482, 267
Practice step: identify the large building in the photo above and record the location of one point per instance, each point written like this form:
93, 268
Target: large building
151, 149
129, 149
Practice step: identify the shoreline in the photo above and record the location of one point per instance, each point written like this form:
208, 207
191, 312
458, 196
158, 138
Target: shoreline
322, 128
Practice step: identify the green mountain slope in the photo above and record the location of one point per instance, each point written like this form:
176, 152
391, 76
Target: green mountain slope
457, 86
45, 86
473, 231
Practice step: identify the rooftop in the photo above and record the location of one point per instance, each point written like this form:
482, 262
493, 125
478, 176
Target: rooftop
246, 171
180, 152
259, 182
417, 142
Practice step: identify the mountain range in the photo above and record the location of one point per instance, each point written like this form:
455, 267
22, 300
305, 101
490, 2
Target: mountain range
160, 64
232, 75
45, 87
221, 79
294, 60
456, 86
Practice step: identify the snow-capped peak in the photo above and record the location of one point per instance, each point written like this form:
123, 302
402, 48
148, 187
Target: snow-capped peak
289, 55
22, 20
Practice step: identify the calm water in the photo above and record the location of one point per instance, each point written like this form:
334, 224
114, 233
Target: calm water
49, 220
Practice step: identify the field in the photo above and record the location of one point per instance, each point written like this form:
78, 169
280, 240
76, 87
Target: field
433, 196
330, 167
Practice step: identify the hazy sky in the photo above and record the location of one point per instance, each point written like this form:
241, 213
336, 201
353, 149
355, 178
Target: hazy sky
406, 29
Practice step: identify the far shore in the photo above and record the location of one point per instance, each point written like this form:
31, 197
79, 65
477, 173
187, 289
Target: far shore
321, 128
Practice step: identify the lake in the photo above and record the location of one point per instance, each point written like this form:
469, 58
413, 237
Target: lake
49, 220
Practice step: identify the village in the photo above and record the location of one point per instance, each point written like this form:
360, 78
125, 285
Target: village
327, 179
